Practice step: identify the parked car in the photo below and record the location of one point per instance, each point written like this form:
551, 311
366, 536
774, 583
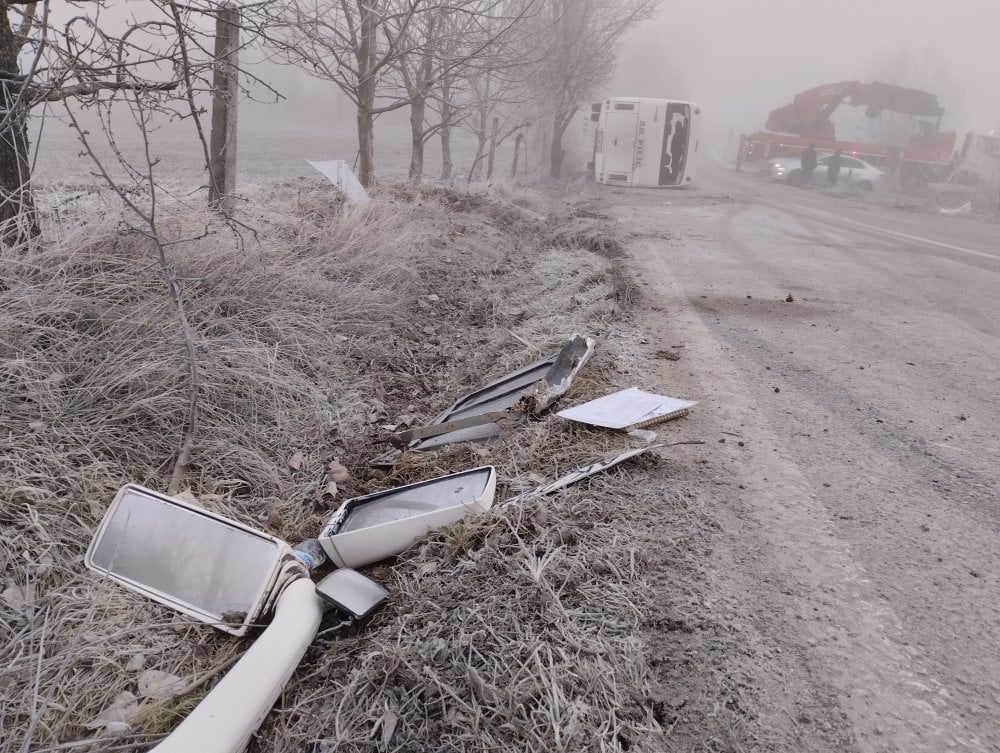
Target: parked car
853, 171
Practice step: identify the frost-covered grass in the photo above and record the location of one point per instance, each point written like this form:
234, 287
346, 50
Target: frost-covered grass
313, 332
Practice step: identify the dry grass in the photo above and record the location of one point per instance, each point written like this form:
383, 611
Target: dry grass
518, 630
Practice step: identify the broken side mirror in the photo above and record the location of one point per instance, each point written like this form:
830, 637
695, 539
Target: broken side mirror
352, 593
370, 528
201, 564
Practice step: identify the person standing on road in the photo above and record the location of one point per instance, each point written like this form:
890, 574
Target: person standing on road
833, 168
808, 164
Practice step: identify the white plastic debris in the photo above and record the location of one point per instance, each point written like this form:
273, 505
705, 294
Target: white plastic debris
340, 174
115, 717
159, 686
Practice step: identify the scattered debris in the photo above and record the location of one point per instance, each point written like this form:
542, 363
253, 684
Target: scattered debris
370, 528
295, 461
483, 413
628, 409
789, 298
495, 397
352, 593
667, 355
114, 719
338, 472
961, 211
644, 435
557, 381
14, 596
159, 686
578, 475
496, 418
340, 174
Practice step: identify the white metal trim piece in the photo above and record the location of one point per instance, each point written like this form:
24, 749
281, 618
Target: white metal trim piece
227, 717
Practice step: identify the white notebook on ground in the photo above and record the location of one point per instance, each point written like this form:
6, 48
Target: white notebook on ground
628, 409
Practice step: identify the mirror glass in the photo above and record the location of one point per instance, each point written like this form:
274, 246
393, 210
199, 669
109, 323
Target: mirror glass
352, 592
185, 557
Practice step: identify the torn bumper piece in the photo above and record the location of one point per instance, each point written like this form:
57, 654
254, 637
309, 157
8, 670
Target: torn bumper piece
481, 414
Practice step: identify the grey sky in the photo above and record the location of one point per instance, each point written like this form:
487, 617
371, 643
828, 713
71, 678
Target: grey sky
741, 59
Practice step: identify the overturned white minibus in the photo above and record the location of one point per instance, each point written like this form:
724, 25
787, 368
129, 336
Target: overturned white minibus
645, 142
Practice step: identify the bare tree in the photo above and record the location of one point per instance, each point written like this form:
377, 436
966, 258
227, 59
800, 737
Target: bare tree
491, 84
17, 213
583, 37
445, 45
419, 67
356, 44
163, 54
120, 73
496, 96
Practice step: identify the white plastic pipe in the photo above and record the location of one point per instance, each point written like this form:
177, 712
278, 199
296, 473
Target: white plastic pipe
226, 718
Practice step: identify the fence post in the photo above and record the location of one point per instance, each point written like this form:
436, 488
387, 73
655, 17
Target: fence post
517, 153
493, 148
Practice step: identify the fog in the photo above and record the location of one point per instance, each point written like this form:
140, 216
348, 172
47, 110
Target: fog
741, 59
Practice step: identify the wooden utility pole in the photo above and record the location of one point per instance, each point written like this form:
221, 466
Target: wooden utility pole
225, 99
493, 148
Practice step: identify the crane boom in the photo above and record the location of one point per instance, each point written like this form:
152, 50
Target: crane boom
809, 114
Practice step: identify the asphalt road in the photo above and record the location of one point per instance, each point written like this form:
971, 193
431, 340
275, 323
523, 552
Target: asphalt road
853, 449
